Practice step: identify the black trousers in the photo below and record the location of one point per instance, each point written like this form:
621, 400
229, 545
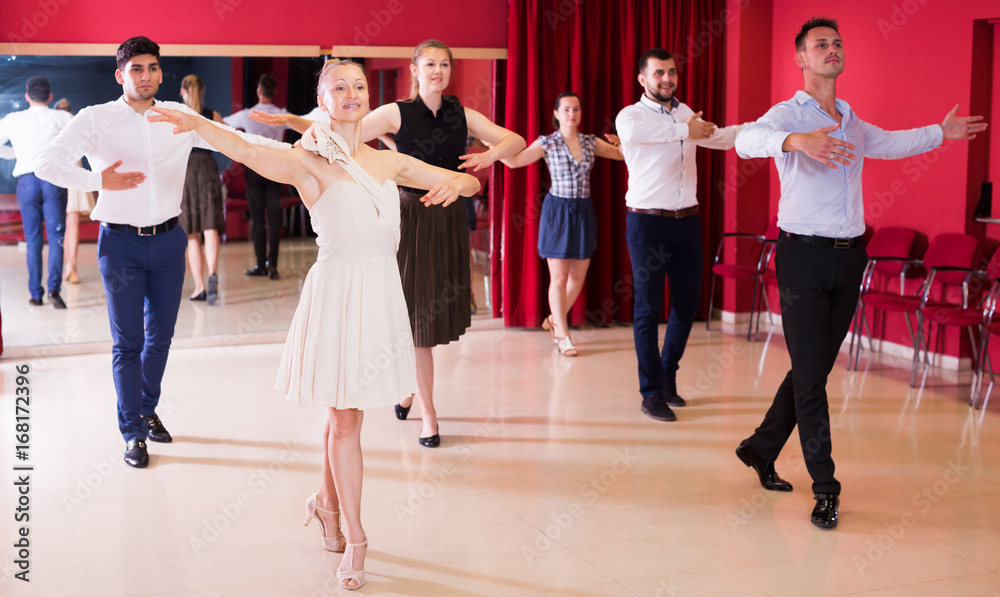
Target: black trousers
819, 289
264, 199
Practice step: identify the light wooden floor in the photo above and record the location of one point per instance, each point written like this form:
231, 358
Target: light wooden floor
548, 479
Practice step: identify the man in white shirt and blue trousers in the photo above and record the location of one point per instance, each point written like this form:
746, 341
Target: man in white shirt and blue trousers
659, 135
141, 247
42, 204
819, 144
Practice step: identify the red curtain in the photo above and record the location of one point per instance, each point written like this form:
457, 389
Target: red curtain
592, 48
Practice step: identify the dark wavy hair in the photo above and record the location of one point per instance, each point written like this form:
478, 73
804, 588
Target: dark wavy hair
136, 46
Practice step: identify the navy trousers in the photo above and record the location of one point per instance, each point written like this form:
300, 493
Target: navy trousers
662, 249
43, 209
143, 278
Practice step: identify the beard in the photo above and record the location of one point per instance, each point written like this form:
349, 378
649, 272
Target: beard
659, 95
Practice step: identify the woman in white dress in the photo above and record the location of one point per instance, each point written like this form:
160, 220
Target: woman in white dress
350, 345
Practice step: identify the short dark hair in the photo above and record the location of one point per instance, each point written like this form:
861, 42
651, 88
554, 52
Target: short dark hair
38, 88
559, 98
267, 85
136, 46
657, 53
800, 39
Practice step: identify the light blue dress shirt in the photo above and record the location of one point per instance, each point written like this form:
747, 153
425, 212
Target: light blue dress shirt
816, 199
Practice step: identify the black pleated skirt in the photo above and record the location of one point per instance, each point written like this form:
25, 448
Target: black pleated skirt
433, 262
201, 205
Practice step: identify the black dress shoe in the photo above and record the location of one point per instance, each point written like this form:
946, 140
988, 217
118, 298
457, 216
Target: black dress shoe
136, 455
764, 468
402, 412
157, 432
257, 271
824, 515
670, 394
56, 300
272, 272
35, 301
430, 442
654, 408
198, 297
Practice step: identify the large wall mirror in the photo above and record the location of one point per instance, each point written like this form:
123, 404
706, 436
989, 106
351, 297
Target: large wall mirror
248, 312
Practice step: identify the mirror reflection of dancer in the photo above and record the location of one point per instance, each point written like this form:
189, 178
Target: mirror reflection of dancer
433, 252
140, 247
202, 212
352, 312
567, 231
820, 260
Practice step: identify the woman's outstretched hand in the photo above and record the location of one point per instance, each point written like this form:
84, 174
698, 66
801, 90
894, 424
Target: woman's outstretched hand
182, 121
443, 194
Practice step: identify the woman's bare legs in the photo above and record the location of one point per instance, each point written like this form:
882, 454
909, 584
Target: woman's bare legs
71, 242
425, 391
566, 282
194, 257
346, 468
212, 250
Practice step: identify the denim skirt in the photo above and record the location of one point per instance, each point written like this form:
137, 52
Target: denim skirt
568, 228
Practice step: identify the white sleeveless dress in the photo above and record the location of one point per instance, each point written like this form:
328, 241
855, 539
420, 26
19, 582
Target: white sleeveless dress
350, 345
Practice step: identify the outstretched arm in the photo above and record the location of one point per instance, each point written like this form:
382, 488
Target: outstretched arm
445, 185
612, 151
276, 164
530, 155
296, 123
503, 143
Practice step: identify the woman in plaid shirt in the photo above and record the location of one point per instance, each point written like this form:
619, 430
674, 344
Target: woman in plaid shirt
567, 233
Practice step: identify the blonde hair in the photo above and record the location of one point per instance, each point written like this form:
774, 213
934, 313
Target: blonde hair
63, 104
430, 44
333, 63
195, 92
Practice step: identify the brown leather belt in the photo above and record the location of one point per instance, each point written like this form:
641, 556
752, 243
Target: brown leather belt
144, 230
822, 241
667, 213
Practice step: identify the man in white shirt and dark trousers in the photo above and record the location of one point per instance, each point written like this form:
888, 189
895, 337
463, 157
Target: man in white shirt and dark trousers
263, 194
140, 248
659, 135
42, 204
819, 144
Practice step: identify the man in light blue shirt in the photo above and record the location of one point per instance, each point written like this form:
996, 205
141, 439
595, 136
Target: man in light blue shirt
819, 144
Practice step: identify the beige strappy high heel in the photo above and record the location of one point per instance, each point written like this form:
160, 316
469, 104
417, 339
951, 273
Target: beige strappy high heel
345, 576
337, 543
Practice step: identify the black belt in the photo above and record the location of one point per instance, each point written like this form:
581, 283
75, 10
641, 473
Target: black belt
667, 213
822, 241
144, 230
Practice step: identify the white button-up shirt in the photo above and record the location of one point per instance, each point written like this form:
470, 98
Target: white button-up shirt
29, 131
107, 133
816, 199
241, 120
660, 158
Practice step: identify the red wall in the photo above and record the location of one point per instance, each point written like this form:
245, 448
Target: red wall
310, 22
907, 63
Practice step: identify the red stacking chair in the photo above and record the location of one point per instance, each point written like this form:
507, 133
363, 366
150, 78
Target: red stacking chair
946, 250
751, 266
888, 250
967, 314
989, 327
768, 277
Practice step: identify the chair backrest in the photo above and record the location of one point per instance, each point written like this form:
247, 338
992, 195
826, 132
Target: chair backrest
891, 242
951, 249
